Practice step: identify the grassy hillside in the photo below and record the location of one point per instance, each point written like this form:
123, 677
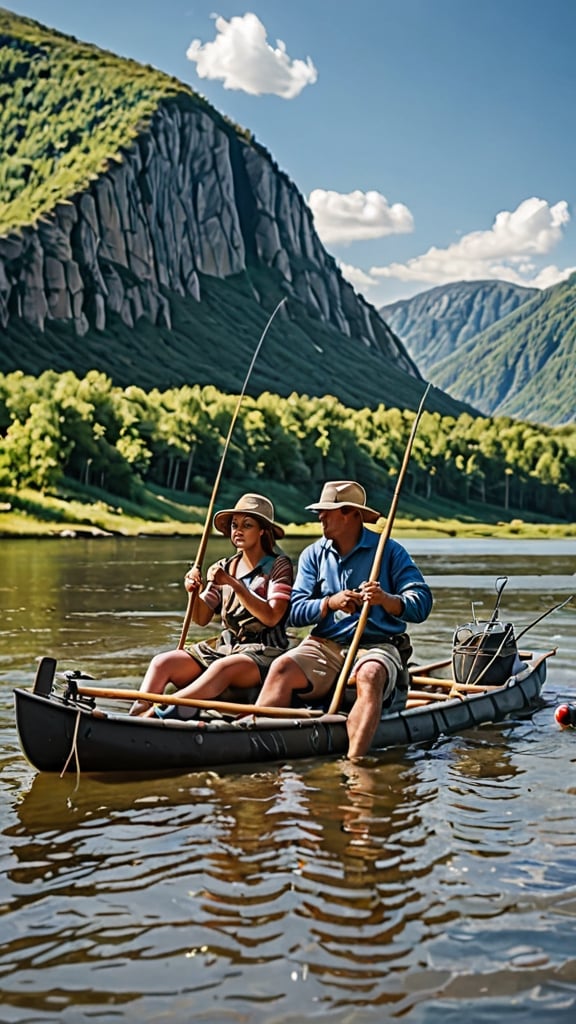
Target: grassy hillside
88, 511
66, 110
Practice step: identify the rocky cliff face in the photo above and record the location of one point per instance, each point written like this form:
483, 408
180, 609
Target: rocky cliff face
189, 198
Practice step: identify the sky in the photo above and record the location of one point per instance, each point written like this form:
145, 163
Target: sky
433, 139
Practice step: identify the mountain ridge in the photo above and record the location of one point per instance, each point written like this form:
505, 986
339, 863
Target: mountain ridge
507, 350
439, 320
534, 349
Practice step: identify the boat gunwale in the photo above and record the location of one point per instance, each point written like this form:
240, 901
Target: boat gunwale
251, 721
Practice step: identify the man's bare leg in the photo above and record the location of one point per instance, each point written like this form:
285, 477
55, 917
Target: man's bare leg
283, 678
371, 679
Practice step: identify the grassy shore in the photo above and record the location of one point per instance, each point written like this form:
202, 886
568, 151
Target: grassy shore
78, 513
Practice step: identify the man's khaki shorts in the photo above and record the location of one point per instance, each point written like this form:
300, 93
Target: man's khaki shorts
321, 662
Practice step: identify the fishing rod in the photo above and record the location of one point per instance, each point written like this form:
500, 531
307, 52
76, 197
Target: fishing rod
361, 624
556, 608
200, 554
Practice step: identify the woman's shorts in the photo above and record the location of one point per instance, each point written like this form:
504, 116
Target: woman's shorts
321, 662
205, 654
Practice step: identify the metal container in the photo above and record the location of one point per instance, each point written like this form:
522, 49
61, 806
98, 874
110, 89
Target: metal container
484, 652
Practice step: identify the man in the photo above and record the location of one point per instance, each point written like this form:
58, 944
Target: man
331, 586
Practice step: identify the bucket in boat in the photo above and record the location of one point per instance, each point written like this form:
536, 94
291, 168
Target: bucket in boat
484, 652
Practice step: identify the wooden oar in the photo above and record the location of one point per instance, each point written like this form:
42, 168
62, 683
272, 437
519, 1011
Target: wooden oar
227, 707
199, 561
456, 690
424, 669
427, 695
450, 684
363, 617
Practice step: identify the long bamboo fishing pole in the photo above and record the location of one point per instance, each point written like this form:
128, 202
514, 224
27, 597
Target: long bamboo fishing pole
206, 532
363, 618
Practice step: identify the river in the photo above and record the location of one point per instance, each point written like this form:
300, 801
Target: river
432, 884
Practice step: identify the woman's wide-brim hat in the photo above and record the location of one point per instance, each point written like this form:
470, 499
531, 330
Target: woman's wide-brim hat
338, 493
250, 504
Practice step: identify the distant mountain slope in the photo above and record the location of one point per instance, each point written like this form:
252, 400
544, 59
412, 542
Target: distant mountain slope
525, 364
148, 237
437, 322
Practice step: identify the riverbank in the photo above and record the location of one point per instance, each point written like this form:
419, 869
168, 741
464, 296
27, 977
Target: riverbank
33, 515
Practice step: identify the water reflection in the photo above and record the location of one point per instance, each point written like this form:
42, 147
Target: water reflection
232, 871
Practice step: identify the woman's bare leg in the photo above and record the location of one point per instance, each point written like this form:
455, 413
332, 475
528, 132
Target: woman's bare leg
233, 670
177, 667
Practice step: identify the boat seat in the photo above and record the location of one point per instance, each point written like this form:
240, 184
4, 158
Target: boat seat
44, 677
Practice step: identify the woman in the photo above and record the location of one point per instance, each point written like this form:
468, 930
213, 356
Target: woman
251, 591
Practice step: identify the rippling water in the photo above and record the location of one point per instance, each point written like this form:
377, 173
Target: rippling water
432, 884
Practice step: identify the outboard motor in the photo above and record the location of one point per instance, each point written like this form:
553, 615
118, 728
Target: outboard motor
485, 652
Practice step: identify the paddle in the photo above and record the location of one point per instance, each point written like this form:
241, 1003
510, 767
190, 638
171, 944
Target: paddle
422, 670
363, 618
206, 532
227, 707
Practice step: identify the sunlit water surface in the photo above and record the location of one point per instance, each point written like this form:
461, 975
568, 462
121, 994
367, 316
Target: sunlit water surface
432, 884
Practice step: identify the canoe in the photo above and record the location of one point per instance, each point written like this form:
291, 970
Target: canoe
68, 731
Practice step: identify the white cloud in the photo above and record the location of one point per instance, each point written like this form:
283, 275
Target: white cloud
360, 280
504, 252
241, 58
357, 216
551, 275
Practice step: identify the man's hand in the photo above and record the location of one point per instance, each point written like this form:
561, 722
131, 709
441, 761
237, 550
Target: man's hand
348, 601
372, 594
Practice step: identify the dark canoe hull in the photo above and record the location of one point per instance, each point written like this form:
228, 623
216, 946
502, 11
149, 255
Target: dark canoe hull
57, 735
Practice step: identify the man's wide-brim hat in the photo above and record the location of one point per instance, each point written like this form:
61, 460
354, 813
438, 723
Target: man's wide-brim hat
253, 505
338, 493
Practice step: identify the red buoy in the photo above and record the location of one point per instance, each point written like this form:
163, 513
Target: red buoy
565, 715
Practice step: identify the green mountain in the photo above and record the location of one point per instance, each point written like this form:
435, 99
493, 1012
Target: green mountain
524, 365
506, 350
437, 322
144, 235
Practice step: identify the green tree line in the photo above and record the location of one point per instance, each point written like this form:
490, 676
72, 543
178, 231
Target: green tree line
57, 426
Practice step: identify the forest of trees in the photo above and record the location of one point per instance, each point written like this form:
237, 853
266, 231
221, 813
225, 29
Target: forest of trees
56, 427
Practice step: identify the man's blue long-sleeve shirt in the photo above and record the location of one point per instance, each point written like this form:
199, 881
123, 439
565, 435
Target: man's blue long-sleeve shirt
323, 571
